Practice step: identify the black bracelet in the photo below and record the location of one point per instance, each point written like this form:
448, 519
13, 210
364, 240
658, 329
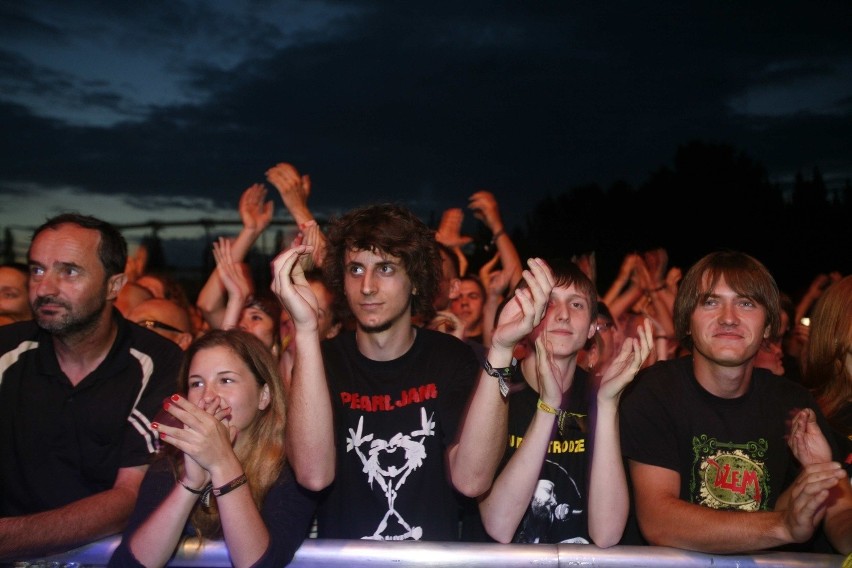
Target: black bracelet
502, 374
496, 235
195, 491
222, 490
230, 486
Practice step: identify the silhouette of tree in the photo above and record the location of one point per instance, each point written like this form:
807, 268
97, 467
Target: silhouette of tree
713, 197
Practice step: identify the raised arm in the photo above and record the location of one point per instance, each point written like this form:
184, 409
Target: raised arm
233, 280
485, 208
294, 190
609, 500
483, 439
624, 290
310, 422
80, 522
256, 214
496, 284
449, 235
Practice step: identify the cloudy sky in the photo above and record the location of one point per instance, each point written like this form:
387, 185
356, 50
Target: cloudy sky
167, 110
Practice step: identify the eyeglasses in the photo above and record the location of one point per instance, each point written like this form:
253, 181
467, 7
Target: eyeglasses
604, 325
154, 324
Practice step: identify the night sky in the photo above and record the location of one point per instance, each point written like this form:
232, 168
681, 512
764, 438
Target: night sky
167, 110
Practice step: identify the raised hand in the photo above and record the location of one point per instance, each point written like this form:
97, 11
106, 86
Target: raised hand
313, 236
292, 288
622, 370
293, 188
447, 322
806, 439
484, 207
526, 308
255, 211
234, 280
449, 230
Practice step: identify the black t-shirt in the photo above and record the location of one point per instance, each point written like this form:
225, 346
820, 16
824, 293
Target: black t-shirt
558, 512
61, 443
394, 421
730, 453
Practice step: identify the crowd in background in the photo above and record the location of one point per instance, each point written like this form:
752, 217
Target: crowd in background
504, 308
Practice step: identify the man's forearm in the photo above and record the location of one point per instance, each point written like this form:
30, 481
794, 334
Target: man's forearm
677, 523
75, 524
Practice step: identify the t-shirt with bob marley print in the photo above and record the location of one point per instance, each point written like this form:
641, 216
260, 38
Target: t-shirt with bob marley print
558, 510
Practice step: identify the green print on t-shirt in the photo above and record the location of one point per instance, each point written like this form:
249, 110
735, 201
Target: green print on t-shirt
728, 475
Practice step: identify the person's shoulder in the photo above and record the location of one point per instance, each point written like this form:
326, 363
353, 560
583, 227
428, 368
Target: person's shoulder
666, 371
13, 334
149, 342
661, 379
765, 380
434, 337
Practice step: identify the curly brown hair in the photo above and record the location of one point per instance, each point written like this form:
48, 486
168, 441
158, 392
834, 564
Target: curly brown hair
389, 229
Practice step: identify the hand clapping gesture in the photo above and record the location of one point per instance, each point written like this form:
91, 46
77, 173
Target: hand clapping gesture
255, 211
634, 352
526, 308
292, 288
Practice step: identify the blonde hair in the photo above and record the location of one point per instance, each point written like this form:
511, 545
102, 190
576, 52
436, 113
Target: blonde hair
262, 454
829, 341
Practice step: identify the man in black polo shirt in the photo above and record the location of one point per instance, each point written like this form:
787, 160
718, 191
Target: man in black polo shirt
78, 386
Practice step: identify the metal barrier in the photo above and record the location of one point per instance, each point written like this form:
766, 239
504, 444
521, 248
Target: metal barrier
316, 553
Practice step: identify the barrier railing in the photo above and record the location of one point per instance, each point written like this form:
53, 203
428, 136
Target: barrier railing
316, 553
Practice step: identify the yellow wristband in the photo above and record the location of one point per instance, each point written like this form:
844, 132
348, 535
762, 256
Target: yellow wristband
549, 409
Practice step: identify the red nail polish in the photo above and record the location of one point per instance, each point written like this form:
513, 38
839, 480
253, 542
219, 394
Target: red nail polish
162, 435
175, 397
154, 425
166, 405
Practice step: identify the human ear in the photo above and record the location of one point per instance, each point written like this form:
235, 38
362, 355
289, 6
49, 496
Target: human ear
264, 398
116, 283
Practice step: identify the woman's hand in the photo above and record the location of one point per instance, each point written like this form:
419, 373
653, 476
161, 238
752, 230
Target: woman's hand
206, 438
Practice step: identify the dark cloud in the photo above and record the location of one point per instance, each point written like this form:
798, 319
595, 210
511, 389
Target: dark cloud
427, 102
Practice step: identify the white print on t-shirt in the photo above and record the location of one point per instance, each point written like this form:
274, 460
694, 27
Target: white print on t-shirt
392, 477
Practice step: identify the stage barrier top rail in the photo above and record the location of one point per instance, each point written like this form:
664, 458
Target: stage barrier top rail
315, 553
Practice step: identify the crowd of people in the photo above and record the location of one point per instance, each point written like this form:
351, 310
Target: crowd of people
382, 387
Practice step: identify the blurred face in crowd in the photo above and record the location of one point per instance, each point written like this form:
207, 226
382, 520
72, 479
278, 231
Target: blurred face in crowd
327, 327
468, 306
14, 301
258, 323
770, 356
165, 318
